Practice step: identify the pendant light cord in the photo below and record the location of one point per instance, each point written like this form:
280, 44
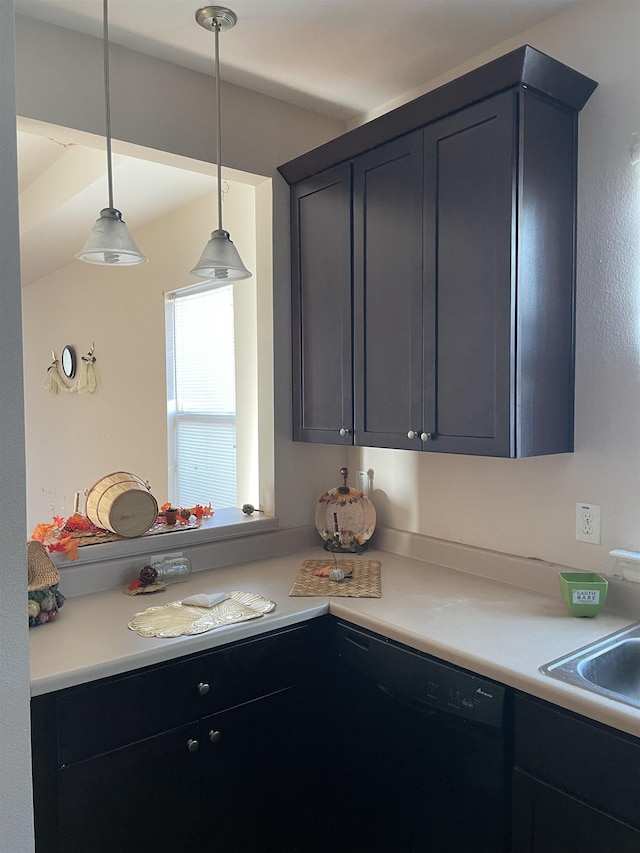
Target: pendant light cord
107, 96
219, 129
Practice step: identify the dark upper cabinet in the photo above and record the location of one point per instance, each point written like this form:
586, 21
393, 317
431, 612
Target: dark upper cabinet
387, 292
434, 273
499, 254
321, 308
470, 181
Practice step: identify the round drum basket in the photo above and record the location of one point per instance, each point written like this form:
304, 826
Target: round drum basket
122, 503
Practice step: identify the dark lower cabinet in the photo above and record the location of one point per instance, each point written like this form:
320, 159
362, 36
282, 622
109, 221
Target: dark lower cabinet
143, 797
254, 770
546, 820
575, 783
114, 773
293, 742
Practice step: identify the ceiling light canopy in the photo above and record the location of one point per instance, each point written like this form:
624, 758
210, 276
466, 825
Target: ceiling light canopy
110, 242
220, 260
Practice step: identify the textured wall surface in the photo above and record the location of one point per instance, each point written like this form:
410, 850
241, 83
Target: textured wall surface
527, 507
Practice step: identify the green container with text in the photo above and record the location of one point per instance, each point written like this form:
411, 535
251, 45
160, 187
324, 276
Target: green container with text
584, 593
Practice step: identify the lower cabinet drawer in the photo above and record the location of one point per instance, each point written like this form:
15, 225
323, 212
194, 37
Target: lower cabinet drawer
107, 714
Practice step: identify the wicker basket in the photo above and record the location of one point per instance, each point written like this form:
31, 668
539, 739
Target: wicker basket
44, 598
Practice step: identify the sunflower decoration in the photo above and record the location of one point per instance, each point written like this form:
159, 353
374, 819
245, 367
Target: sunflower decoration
345, 518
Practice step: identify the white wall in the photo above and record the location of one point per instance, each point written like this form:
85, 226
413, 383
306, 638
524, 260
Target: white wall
160, 106
16, 834
73, 440
527, 507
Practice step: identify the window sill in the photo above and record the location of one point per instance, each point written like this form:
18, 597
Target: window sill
225, 524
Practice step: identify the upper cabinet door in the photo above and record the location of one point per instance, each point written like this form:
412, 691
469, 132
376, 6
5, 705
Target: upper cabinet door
469, 284
321, 308
499, 241
462, 223
387, 244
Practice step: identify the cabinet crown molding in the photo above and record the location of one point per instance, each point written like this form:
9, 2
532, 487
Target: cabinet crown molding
524, 67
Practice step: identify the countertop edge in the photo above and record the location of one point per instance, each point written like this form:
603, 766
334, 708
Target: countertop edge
469, 621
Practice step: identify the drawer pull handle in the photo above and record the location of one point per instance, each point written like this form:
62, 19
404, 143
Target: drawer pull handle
193, 745
425, 436
344, 431
214, 736
203, 688
412, 434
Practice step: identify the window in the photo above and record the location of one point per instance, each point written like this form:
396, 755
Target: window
220, 372
201, 396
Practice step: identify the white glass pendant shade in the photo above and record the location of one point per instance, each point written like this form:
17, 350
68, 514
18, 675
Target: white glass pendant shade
110, 242
220, 260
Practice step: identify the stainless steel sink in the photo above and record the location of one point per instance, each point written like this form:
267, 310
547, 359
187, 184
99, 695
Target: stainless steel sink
609, 667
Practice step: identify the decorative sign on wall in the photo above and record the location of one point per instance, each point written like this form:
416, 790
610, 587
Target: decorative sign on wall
86, 381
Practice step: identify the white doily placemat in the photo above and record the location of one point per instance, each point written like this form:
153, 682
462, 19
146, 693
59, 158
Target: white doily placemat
177, 619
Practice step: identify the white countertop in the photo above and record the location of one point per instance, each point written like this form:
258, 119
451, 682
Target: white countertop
494, 629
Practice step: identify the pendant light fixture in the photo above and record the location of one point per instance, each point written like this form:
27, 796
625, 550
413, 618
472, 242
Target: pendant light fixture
220, 260
110, 242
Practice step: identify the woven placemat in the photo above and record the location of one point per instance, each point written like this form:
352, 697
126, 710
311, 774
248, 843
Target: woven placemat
85, 538
364, 582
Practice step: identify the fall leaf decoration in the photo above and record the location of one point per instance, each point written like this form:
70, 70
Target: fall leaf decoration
58, 536
62, 535
185, 514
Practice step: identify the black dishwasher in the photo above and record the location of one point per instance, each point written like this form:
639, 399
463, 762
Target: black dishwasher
423, 748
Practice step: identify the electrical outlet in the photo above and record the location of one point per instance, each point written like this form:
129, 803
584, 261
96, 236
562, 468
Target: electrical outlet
588, 523
157, 558
363, 482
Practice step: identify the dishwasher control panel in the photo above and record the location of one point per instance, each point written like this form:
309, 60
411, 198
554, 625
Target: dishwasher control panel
416, 678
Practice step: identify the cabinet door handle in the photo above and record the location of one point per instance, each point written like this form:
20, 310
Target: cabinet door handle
344, 431
412, 434
425, 436
214, 736
203, 688
193, 745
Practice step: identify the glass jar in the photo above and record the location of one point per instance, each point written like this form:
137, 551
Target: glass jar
172, 570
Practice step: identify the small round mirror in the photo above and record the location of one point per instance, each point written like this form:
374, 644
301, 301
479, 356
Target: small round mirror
69, 362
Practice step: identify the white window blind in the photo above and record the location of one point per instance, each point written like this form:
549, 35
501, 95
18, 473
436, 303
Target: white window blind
201, 397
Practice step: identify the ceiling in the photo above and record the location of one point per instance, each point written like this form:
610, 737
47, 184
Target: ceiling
343, 59
63, 187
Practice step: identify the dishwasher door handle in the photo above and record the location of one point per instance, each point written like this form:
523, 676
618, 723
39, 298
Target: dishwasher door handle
362, 644
408, 701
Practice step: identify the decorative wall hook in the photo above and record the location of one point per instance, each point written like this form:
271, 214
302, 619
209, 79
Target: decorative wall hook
85, 383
